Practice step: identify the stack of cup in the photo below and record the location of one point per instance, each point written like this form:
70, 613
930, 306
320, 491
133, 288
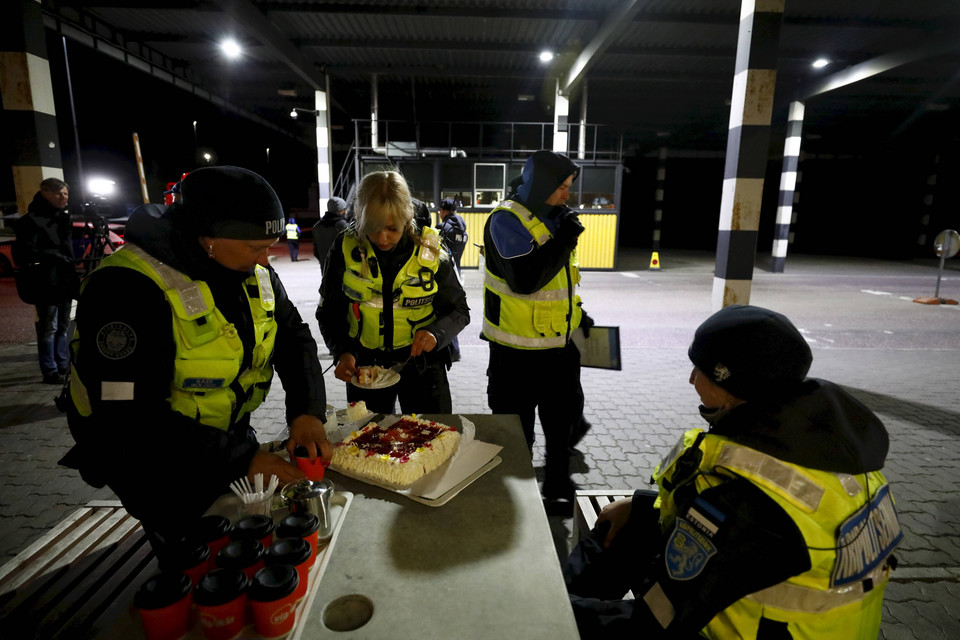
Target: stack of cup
164, 605
221, 599
301, 525
272, 597
295, 552
190, 556
214, 531
245, 555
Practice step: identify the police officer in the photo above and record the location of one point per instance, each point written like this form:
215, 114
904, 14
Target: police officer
178, 335
530, 310
453, 229
774, 523
331, 225
391, 293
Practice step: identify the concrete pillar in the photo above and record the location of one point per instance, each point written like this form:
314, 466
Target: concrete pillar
374, 111
324, 160
27, 92
658, 207
561, 112
929, 187
582, 141
751, 104
789, 178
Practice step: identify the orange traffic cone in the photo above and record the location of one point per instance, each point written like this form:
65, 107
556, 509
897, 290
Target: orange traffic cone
655, 261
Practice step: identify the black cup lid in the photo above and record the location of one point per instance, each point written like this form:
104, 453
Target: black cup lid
162, 590
187, 554
253, 526
288, 551
211, 528
298, 525
240, 554
220, 586
274, 582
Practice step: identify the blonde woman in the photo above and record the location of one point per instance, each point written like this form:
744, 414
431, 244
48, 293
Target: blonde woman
390, 292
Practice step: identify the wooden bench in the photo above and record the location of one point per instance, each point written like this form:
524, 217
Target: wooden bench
68, 579
587, 506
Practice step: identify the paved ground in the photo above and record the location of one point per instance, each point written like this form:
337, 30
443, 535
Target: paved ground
898, 357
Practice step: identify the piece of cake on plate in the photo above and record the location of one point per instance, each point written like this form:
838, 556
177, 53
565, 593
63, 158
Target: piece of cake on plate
368, 375
356, 410
397, 455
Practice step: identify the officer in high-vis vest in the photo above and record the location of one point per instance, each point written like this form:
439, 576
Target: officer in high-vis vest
178, 335
293, 239
391, 297
531, 308
774, 523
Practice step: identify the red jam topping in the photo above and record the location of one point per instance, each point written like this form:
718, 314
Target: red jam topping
399, 440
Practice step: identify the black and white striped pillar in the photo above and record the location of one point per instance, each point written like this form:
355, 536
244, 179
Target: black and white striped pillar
324, 162
751, 105
926, 210
658, 208
27, 91
789, 180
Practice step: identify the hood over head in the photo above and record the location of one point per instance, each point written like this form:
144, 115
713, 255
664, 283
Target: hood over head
543, 172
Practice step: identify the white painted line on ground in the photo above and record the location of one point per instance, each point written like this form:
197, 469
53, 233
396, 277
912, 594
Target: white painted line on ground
876, 293
627, 274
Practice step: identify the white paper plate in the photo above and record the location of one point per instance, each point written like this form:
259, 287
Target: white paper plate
387, 378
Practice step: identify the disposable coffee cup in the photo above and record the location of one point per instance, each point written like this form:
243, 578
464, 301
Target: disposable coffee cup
301, 525
245, 555
295, 552
272, 597
214, 531
221, 599
190, 556
258, 527
313, 469
164, 605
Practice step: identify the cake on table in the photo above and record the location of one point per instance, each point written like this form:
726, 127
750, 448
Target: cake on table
396, 455
356, 410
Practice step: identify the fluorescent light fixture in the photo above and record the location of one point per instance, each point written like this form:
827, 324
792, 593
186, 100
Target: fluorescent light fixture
820, 63
546, 56
231, 48
101, 187
526, 97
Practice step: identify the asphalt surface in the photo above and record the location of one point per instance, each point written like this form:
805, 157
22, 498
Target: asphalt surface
867, 334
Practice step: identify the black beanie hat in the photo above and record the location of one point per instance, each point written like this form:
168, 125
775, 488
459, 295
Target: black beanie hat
230, 202
754, 353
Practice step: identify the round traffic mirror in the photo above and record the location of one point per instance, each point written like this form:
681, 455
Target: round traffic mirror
947, 243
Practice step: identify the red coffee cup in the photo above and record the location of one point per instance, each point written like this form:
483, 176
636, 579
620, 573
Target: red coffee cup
272, 597
313, 469
214, 531
221, 599
256, 526
245, 555
190, 556
301, 525
164, 605
295, 552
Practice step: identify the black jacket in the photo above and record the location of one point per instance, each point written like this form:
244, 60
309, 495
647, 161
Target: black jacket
453, 230
44, 254
325, 231
166, 467
450, 307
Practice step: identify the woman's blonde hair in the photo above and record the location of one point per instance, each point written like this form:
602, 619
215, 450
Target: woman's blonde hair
383, 194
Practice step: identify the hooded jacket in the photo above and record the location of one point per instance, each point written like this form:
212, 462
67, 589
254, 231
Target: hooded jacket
44, 254
325, 231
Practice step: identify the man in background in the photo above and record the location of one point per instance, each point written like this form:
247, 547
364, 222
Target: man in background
328, 228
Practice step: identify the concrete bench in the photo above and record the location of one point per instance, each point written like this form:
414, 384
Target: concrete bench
68, 579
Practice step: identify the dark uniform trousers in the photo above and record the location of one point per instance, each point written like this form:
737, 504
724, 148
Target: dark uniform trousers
422, 389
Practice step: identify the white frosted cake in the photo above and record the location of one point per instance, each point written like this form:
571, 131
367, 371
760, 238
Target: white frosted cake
356, 410
397, 455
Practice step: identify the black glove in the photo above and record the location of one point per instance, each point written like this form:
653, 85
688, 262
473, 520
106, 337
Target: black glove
586, 322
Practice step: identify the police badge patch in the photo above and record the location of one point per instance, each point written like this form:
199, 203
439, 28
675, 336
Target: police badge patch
687, 551
116, 340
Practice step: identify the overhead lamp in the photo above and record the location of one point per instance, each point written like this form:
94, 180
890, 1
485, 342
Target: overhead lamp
546, 56
820, 63
293, 113
231, 48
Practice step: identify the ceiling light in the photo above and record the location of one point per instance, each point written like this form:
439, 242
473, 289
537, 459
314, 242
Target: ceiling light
526, 97
231, 48
293, 113
546, 56
820, 63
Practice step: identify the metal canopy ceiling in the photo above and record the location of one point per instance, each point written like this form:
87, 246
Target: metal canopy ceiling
658, 71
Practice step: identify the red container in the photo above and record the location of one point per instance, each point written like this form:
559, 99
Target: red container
272, 598
313, 469
295, 552
301, 525
190, 556
255, 526
164, 605
214, 531
245, 555
221, 599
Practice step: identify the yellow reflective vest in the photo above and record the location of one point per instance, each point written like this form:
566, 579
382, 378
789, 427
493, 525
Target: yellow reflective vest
543, 319
207, 384
849, 524
293, 232
410, 296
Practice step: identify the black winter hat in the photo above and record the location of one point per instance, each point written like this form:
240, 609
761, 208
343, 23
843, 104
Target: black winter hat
754, 353
447, 204
230, 202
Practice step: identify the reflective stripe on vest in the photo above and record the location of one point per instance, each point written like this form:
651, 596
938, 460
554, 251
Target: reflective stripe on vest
415, 282
543, 319
849, 535
209, 352
293, 233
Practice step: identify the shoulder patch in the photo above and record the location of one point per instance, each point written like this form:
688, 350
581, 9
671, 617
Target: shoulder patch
116, 340
687, 551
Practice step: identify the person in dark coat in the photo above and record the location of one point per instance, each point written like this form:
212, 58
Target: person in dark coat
48, 277
178, 337
326, 230
453, 229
